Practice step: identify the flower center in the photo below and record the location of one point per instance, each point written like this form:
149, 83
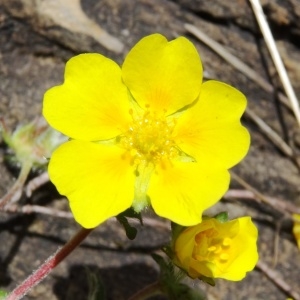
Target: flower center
148, 142
149, 139
213, 248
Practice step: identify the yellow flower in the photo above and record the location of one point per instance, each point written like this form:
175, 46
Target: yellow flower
148, 133
218, 250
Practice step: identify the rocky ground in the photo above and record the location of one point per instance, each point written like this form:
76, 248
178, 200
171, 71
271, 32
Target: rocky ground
36, 39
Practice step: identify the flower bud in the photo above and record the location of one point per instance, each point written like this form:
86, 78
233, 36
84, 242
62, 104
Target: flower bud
33, 143
218, 250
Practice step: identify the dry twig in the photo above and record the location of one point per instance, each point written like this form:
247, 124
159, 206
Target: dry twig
29, 209
35, 183
267, 34
285, 207
235, 62
276, 279
271, 134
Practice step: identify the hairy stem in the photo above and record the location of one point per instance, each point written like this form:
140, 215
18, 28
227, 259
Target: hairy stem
20, 291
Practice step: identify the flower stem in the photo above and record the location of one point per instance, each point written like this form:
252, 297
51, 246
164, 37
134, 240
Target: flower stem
38, 275
149, 291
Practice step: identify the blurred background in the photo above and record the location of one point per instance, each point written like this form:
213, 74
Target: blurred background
37, 37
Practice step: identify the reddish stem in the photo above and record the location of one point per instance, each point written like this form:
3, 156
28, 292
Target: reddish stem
38, 275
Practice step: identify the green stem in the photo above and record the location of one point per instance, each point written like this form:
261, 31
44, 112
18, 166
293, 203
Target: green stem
20, 291
147, 292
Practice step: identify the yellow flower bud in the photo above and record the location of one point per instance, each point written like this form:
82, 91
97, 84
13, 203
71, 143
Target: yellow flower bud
218, 250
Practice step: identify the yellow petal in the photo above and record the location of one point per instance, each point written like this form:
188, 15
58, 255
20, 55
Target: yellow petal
204, 268
245, 251
164, 76
182, 191
185, 244
210, 131
92, 104
97, 180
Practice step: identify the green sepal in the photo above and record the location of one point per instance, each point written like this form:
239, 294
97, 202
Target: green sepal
130, 231
207, 280
176, 230
222, 217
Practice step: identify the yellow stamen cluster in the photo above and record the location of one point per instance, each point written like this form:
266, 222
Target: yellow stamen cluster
149, 139
210, 247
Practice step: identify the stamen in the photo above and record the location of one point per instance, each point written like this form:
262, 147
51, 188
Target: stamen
226, 242
212, 249
149, 139
147, 143
224, 257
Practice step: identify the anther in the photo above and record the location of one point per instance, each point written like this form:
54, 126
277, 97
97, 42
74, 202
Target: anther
224, 257
212, 248
226, 242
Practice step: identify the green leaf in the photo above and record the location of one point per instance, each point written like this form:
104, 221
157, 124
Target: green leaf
176, 230
130, 213
131, 231
161, 262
